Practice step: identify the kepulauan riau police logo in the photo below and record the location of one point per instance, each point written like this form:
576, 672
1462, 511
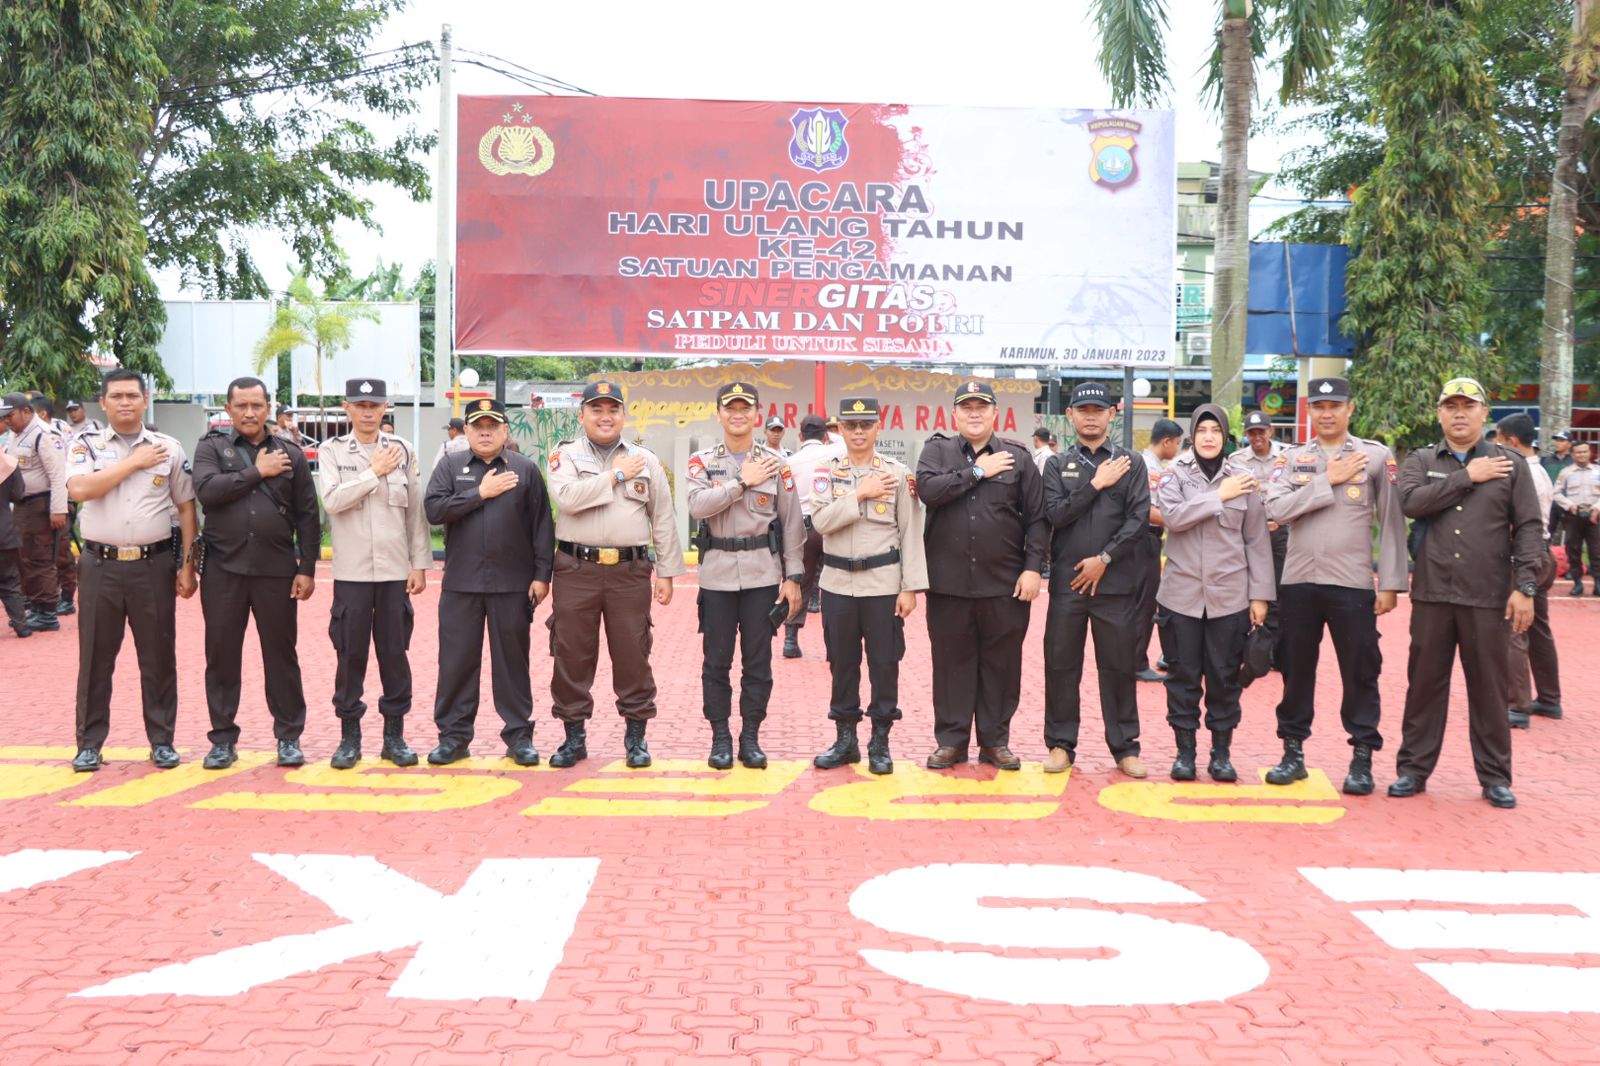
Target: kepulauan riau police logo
517, 146
1112, 165
818, 143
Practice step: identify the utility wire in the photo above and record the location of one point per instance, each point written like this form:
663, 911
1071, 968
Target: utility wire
247, 78
546, 78
519, 79
384, 68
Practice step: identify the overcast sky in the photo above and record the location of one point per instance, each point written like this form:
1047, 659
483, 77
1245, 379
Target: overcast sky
998, 53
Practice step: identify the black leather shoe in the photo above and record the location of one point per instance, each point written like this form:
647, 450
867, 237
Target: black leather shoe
66, 606
1545, 710
999, 756
1499, 796
289, 753
791, 642
1518, 719
634, 745
1148, 674
220, 757
163, 757
946, 756
447, 752
43, 622
523, 753
574, 749
22, 628
1406, 786
86, 761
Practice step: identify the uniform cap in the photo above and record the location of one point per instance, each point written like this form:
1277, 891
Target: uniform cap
738, 390
74, 405
486, 408
12, 400
859, 409
812, 427
1257, 420
601, 390
1090, 394
975, 390
366, 390
1559, 434
1467, 387
1335, 389
455, 423
775, 422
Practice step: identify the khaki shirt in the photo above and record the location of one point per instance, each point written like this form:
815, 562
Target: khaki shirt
41, 454
810, 457
857, 529
379, 530
1543, 489
1578, 486
1260, 466
142, 509
593, 508
1219, 556
1330, 526
731, 510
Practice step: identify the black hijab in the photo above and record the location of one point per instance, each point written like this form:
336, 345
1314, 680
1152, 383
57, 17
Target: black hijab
1208, 413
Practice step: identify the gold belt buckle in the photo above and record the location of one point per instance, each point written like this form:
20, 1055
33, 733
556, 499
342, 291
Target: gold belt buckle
127, 555
610, 557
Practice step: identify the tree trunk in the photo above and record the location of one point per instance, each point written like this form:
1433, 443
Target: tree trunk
1561, 237
1230, 285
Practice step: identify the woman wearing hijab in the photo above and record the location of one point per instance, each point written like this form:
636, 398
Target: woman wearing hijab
1217, 584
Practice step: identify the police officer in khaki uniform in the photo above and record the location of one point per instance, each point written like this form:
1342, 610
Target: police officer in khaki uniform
16, 607
1329, 492
865, 506
41, 516
1260, 456
1577, 501
372, 490
613, 501
752, 545
127, 479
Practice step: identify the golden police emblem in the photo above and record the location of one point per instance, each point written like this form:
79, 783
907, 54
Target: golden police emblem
515, 149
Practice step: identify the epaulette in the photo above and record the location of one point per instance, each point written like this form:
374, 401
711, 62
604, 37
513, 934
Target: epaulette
938, 434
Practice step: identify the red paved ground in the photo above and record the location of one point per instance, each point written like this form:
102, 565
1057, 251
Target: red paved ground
724, 935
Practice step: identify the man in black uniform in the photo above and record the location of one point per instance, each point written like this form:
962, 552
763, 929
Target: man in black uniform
986, 538
261, 542
499, 551
1097, 499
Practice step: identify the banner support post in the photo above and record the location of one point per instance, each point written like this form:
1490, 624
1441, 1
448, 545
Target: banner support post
1127, 407
819, 380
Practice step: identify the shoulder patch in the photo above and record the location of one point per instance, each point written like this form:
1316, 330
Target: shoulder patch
1167, 476
819, 484
786, 475
555, 456
911, 484
1392, 469
697, 466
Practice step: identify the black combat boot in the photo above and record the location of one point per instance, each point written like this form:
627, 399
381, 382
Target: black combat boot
633, 745
65, 606
43, 621
1292, 767
574, 749
1358, 782
750, 753
878, 759
395, 748
1221, 766
348, 753
791, 641
1183, 765
846, 749
721, 746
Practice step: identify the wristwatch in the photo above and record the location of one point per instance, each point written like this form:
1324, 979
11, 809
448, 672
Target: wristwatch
977, 472
1527, 588
1105, 558
796, 578
619, 475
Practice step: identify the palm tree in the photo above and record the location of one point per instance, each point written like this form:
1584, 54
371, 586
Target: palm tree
1133, 60
306, 320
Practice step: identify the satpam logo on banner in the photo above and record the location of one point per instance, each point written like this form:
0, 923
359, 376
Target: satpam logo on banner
818, 143
1112, 166
517, 147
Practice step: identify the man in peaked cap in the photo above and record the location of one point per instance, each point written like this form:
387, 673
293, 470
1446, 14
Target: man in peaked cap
41, 514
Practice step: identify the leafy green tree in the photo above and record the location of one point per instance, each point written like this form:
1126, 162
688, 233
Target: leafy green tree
76, 96
1421, 226
306, 320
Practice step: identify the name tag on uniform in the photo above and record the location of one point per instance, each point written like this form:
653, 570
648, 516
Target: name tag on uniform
1437, 473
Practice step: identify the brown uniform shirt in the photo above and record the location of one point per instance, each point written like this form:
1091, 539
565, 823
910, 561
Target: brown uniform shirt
1481, 538
1330, 526
139, 510
379, 530
42, 456
857, 529
1219, 556
731, 510
593, 508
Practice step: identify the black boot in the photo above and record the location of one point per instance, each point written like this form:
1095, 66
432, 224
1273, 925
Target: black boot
721, 746
349, 750
791, 641
43, 621
750, 753
1358, 782
574, 749
633, 745
65, 605
1221, 767
878, 759
814, 604
395, 748
1292, 767
846, 749
1183, 765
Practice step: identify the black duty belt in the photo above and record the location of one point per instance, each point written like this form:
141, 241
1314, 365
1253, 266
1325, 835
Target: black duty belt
34, 496
127, 553
603, 556
807, 520
871, 562
739, 544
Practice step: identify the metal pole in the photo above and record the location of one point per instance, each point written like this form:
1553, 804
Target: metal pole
445, 369
500, 379
1127, 407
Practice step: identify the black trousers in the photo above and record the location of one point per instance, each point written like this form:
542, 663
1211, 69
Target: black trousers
1347, 614
140, 595
11, 584
1208, 650
1581, 533
1481, 634
228, 602
379, 614
813, 574
724, 616
1535, 648
1149, 563
463, 616
976, 646
1111, 617
848, 622
1274, 622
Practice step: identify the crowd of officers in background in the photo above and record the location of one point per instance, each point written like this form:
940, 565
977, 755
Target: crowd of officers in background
1266, 547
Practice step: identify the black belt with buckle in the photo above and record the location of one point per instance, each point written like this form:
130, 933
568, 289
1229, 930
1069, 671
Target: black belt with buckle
603, 556
739, 544
128, 553
34, 496
871, 562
